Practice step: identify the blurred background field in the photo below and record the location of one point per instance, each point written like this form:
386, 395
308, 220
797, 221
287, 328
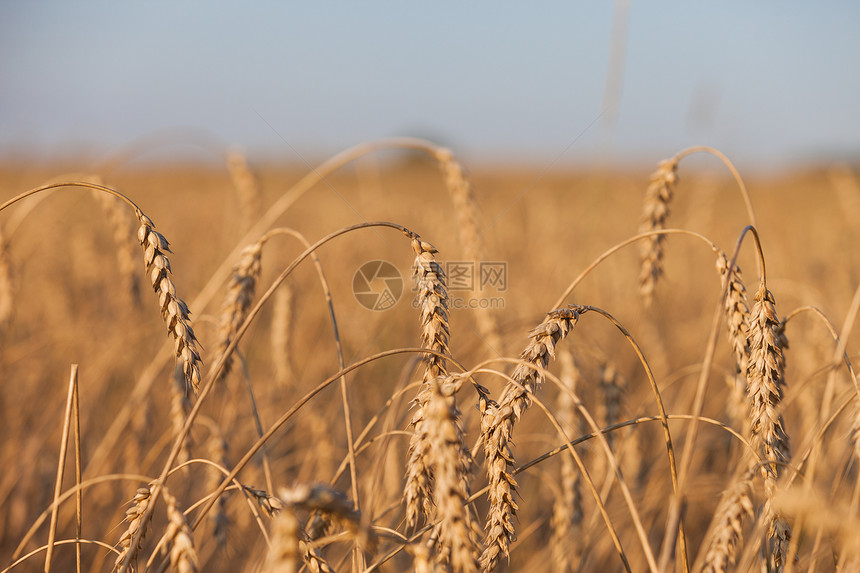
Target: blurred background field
71, 306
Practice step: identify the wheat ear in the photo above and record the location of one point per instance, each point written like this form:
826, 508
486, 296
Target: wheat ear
122, 227
765, 384
174, 311
737, 329
497, 426
727, 526
567, 534
133, 516
247, 187
283, 555
240, 296
471, 239
455, 530
655, 211
280, 332
432, 301
218, 448
179, 537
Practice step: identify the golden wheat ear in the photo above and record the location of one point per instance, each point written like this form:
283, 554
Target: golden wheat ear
174, 311
432, 299
655, 213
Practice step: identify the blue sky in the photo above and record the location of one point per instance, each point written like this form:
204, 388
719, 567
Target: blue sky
766, 82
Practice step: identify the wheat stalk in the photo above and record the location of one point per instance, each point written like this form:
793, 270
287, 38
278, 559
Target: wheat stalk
497, 425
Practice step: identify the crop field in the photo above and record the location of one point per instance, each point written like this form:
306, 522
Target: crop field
395, 361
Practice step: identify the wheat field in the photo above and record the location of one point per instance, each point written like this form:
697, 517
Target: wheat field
556, 371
